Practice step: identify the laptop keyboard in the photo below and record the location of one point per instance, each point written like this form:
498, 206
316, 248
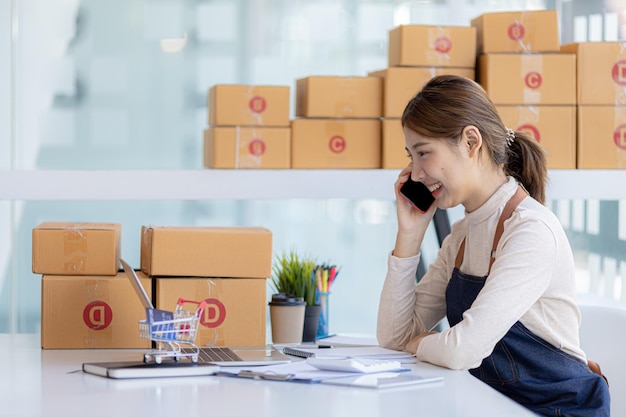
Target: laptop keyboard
216, 354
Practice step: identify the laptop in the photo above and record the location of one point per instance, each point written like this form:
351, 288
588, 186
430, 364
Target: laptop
218, 355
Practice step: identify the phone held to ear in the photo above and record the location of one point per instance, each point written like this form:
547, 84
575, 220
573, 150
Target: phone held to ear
417, 194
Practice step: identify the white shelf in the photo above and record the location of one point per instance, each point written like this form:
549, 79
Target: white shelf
210, 184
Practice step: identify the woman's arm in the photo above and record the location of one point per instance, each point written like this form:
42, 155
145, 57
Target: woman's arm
520, 275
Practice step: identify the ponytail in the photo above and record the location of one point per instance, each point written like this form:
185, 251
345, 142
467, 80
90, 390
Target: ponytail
527, 164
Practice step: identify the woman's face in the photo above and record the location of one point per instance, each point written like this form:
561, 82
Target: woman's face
442, 167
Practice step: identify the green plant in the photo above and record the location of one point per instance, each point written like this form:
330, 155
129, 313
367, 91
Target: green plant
293, 274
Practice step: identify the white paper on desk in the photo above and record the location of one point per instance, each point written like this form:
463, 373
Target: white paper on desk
340, 340
362, 352
300, 371
384, 380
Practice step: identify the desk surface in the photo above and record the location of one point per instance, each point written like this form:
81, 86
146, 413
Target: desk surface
35, 382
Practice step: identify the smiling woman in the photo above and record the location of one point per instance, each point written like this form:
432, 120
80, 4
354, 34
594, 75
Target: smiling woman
504, 272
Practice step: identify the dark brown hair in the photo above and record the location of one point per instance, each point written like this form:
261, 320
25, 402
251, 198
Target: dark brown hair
449, 103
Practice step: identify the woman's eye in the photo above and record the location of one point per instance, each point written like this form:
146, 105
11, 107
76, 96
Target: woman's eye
421, 154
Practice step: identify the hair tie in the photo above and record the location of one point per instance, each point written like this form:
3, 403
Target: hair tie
510, 136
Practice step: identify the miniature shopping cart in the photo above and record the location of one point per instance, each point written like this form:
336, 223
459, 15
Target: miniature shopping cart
180, 327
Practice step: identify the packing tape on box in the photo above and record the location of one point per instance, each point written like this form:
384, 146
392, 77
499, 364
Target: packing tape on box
523, 29
531, 69
246, 153
439, 41
619, 75
256, 105
74, 251
213, 316
97, 314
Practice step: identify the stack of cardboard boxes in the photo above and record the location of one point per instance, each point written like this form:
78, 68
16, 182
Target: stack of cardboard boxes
227, 267
337, 122
601, 100
532, 85
85, 302
248, 127
570, 98
418, 53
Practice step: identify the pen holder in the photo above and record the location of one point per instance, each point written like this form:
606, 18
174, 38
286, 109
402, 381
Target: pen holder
322, 327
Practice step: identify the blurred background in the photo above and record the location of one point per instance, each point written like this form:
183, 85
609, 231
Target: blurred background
122, 85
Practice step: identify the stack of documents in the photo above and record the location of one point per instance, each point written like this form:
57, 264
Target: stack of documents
301, 371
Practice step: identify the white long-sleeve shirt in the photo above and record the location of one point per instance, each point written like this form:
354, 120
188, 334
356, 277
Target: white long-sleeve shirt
531, 280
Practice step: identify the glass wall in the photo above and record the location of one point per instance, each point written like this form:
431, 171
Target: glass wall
122, 84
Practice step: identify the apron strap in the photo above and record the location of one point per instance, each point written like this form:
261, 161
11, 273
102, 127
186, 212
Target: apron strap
517, 198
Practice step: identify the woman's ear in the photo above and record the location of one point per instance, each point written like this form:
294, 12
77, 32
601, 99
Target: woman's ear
472, 138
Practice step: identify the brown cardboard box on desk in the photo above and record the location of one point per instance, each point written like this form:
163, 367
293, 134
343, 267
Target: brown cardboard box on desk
600, 72
400, 84
432, 46
335, 143
247, 147
226, 266
517, 31
601, 137
248, 105
536, 93
91, 312
187, 251
552, 126
540, 79
235, 314
61, 248
339, 97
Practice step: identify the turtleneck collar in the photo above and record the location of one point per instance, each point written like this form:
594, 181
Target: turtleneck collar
494, 203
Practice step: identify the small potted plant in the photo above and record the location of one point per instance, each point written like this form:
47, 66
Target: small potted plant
293, 274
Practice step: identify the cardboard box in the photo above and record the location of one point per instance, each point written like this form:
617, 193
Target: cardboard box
529, 78
236, 308
601, 137
61, 248
335, 143
519, 31
600, 71
248, 105
400, 84
394, 153
554, 127
247, 147
91, 312
233, 252
348, 97
432, 46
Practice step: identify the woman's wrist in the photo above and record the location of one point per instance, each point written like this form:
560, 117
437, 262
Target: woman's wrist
407, 245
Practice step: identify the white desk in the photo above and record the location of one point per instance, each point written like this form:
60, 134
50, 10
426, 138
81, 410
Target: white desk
35, 382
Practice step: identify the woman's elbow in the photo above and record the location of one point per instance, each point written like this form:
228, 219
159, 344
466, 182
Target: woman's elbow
389, 342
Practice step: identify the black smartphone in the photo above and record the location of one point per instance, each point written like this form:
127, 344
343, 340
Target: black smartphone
417, 194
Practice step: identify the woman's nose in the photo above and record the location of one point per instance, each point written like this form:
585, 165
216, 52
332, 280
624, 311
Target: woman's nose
417, 173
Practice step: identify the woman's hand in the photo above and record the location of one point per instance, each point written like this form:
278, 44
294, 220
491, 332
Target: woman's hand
415, 342
412, 223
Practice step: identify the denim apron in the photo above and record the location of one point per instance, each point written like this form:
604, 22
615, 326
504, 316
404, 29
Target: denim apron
523, 366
